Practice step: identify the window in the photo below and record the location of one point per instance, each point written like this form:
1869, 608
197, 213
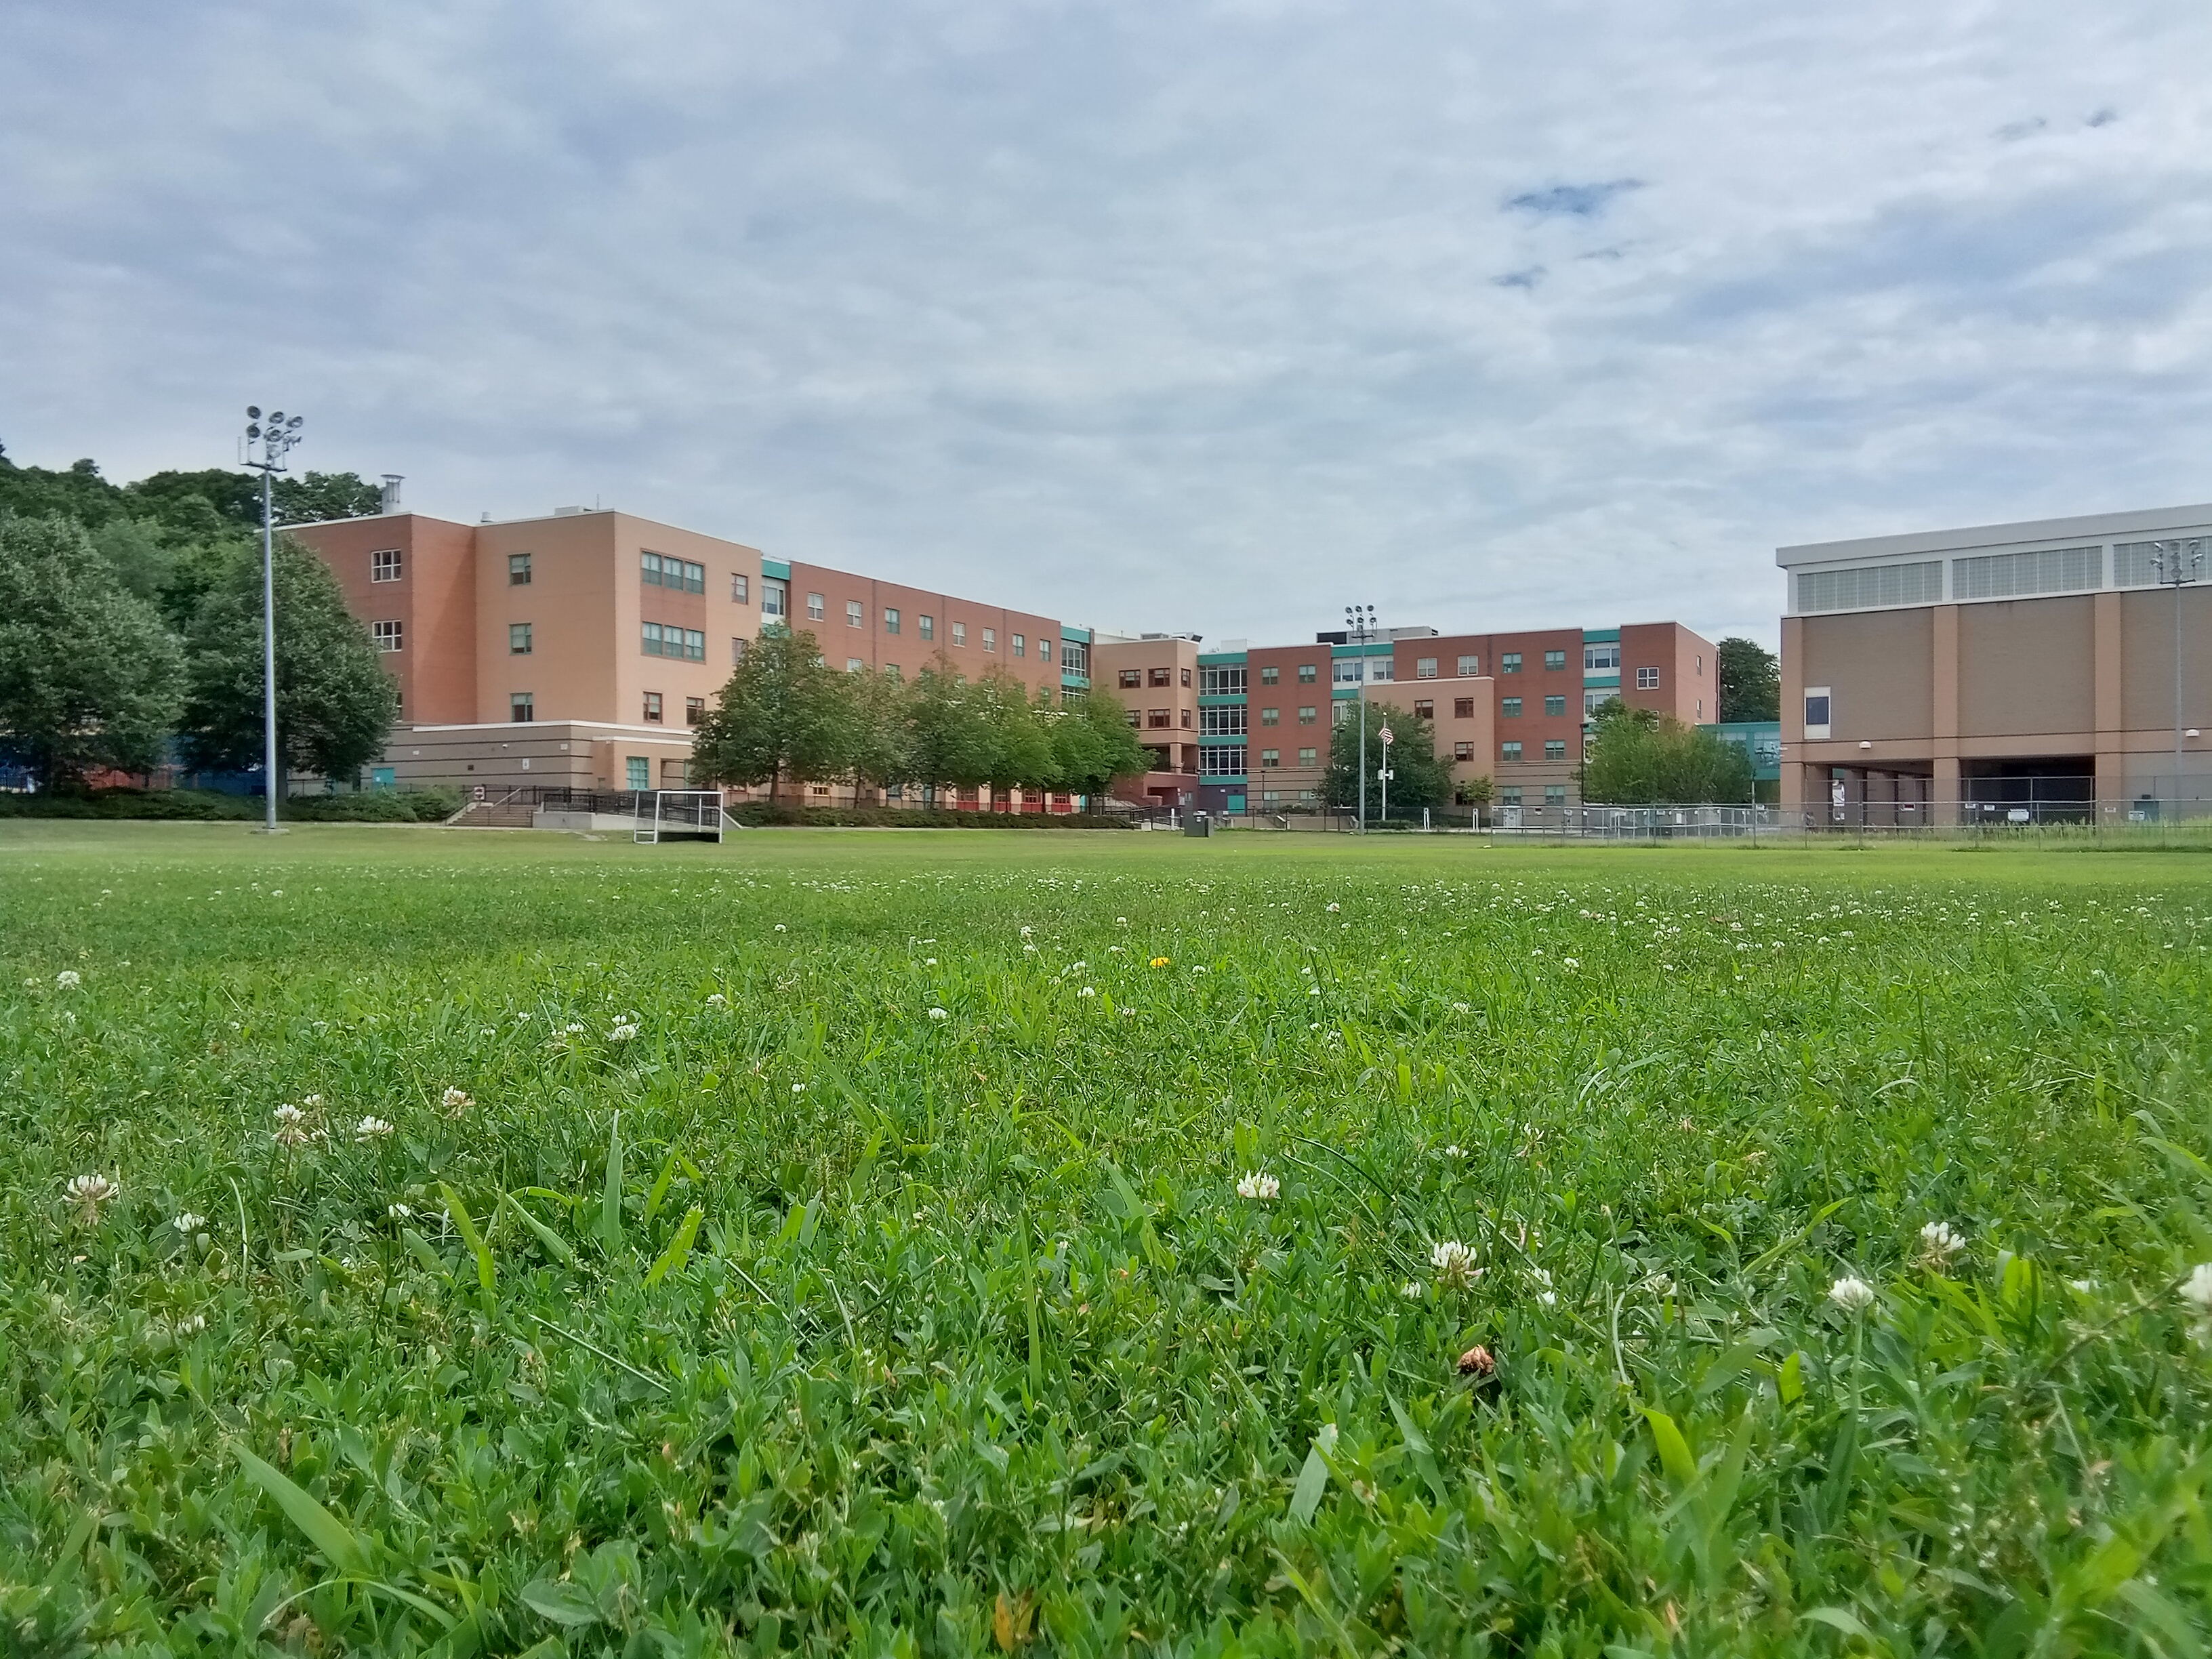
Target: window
1271, 675
1044, 652
1462, 708
960, 635
1345, 670
740, 591
659, 571
1510, 795
737, 650
991, 640
1158, 719
387, 634
890, 619
1183, 719
1075, 657
856, 614
1135, 719
1509, 752
1462, 751
1816, 711
1469, 667
1270, 758
383, 565
694, 711
1425, 668
1383, 668
1423, 709
1132, 679
1555, 796
776, 597
1509, 663
1647, 679
1554, 659
1555, 749
1306, 712
1701, 666
1307, 674
928, 625
1158, 676
1221, 760
815, 607
638, 771
1556, 705
853, 664
1227, 722
664, 639
1021, 646
1510, 707
517, 639
1222, 680
1340, 711
1870, 586
653, 708
518, 570
1306, 757
1271, 717
1185, 676
521, 707
891, 673
1595, 697
1601, 659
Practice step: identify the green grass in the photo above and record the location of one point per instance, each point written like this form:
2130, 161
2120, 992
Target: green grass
805, 1320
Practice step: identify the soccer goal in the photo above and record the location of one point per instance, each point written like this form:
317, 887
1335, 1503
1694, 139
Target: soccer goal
679, 814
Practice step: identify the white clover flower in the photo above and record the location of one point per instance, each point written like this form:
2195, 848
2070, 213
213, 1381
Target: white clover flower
621, 1032
67, 979
1087, 991
522, 1016
90, 1192
1117, 950
288, 1114
1462, 1008
1260, 1187
799, 1087
192, 1324
1571, 961
1455, 1264
1197, 969
312, 1103
1413, 1289
1026, 931
1122, 922
1455, 1151
457, 1101
371, 1128
718, 1000
189, 1223
939, 1013
1940, 1242
929, 962
1334, 909
1852, 1294
398, 1212
779, 928
573, 1028
2196, 1292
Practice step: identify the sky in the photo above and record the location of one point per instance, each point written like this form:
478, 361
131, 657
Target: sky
1211, 316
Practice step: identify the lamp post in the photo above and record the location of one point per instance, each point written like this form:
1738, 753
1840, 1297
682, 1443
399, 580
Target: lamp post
1383, 771
266, 443
2177, 562
1359, 627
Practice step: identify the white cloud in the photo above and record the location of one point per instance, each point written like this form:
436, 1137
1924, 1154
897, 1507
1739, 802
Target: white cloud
1207, 317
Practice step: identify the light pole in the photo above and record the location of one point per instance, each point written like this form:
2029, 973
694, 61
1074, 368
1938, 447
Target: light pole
1382, 772
266, 445
1359, 627
2176, 563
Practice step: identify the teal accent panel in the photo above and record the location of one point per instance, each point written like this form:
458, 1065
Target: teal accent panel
777, 569
1219, 659
1073, 682
1599, 635
1080, 636
1601, 679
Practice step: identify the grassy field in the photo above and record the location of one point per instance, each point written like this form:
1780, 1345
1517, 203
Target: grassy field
939, 1244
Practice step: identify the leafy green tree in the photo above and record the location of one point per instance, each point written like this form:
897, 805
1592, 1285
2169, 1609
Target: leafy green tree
1750, 681
89, 675
1419, 777
313, 497
1017, 740
880, 748
1636, 757
1094, 745
76, 492
783, 713
951, 742
334, 703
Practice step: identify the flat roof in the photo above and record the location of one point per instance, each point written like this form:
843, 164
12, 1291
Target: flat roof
2087, 526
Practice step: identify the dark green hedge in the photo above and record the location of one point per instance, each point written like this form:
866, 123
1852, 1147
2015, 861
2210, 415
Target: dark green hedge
210, 807
758, 815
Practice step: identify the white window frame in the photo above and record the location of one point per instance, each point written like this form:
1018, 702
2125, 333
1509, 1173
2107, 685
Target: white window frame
388, 635
381, 571
1826, 696
1647, 679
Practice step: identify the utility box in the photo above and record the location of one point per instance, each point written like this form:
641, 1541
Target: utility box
1198, 823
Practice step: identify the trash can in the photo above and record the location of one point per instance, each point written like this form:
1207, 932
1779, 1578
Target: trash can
1198, 823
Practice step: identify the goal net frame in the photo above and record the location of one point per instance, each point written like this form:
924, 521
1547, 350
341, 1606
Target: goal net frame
697, 816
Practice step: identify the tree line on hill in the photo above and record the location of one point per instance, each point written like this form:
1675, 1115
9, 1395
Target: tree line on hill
130, 616
787, 717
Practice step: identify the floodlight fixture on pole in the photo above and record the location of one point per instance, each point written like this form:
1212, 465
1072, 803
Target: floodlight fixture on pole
2176, 563
266, 443
1359, 627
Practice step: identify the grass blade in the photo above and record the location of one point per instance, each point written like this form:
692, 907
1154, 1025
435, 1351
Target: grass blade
611, 1224
556, 1246
336, 1542
679, 1248
486, 1274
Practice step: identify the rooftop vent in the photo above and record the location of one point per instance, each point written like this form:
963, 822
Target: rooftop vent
387, 499
568, 512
